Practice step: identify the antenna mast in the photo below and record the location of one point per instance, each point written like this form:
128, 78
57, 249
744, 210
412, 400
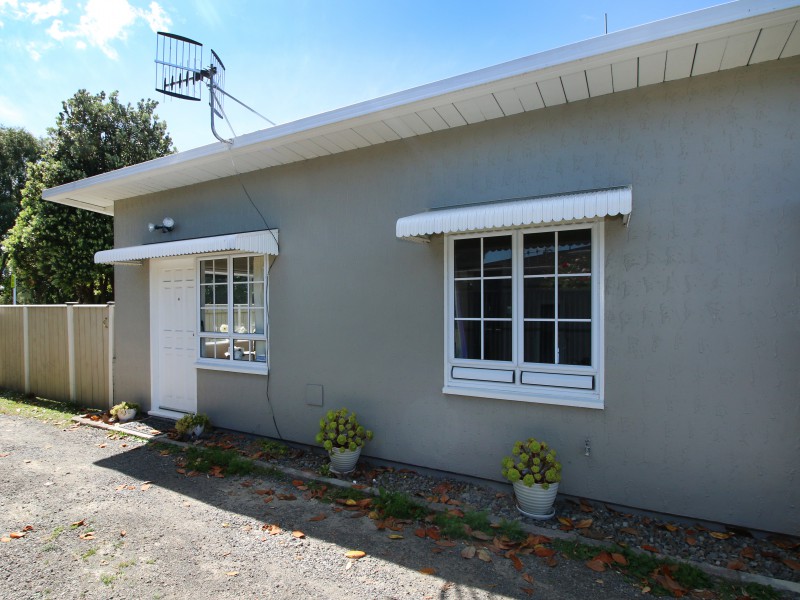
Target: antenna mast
180, 74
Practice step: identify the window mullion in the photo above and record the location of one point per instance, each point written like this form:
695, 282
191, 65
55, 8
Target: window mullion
231, 327
555, 307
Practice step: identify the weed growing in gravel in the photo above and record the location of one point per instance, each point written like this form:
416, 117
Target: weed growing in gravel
164, 448
56, 532
512, 530
108, 578
89, 553
230, 461
398, 505
51, 411
274, 449
336, 493
126, 564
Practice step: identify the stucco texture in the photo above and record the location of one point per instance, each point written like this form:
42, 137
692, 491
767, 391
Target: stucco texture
701, 413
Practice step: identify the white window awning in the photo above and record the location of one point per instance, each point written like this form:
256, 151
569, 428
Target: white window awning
573, 207
257, 242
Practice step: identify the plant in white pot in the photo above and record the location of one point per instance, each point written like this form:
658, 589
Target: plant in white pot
535, 473
343, 437
124, 411
193, 424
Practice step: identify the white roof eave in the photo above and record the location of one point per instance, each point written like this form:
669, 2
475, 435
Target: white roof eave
101, 191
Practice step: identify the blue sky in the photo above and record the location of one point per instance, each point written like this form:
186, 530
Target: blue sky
287, 60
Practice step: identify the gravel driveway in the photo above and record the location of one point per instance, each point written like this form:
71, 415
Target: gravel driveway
99, 530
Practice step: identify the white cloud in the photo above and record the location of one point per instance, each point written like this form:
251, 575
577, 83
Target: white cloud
40, 11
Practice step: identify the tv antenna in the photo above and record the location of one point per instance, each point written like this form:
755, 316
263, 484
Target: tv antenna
180, 74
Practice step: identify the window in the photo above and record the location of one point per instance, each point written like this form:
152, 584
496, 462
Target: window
233, 315
525, 315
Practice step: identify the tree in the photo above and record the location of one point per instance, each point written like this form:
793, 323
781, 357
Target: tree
51, 247
17, 149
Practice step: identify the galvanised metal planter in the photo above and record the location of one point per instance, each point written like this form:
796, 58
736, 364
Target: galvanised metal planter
344, 461
535, 501
123, 416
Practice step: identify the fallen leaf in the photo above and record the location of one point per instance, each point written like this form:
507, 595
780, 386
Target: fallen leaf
704, 594
566, 522
5, 540
528, 591
719, 535
264, 492
481, 536
516, 562
527, 577
736, 565
100, 445
445, 543
584, 524
319, 517
15, 535
596, 565
78, 523
27, 528
286, 497
585, 506
146, 486
298, 534
181, 471
604, 557
543, 552
468, 552
428, 571
691, 541
271, 529
619, 558
395, 536
649, 548
232, 573
747, 552
298, 482
670, 527
629, 531
484, 555
456, 512
355, 554
89, 535
432, 533
437, 550
792, 564
785, 544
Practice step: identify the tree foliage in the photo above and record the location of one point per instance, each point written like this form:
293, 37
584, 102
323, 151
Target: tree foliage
17, 148
51, 246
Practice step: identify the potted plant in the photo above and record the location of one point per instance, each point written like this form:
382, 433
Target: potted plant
193, 424
343, 437
124, 411
534, 472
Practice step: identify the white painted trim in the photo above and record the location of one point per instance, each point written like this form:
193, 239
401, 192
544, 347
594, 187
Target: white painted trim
496, 375
232, 367
567, 383
165, 414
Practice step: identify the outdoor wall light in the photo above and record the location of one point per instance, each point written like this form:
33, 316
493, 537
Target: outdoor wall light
167, 224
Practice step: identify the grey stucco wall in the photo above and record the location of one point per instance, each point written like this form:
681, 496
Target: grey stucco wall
701, 412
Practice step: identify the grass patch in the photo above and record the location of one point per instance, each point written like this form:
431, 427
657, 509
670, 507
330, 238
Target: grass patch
33, 407
512, 530
126, 564
335, 493
56, 533
108, 578
230, 462
274, 449
89, 553
399, 505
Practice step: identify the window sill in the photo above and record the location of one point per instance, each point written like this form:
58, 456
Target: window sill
534, 396
249, 368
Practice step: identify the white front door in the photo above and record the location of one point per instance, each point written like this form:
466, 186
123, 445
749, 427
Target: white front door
173, 310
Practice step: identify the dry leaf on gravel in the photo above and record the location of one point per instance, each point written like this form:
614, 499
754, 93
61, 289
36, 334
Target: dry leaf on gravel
596, 565
528, 591
395, 536
298, 534
484, 555
469, 552
146, 486
319, 517
15, 535
428, 571
355, 554
89, 535
232, 573
792, 564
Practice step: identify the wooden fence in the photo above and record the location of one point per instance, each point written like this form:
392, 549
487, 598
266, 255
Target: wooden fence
61, 352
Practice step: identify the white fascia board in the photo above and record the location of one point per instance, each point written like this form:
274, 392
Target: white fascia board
725, 19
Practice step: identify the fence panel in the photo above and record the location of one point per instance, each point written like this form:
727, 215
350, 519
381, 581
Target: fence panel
12, 360
91, 327
58, 351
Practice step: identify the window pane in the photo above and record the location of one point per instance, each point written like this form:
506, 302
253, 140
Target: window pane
575, 251
207, 271
240, 293
220, 294
221, 270
575, 344
242, 350
467, 338
213, 347
207, 320
497, 256
257, 320
540, 298
257, 268
207, 296
539, 252
497, 298
540, 342
497, 340
467, 299
261, 350
575, 297
241, 320
241, 269
467, 257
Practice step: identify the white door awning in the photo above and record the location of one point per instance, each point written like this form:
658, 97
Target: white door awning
573, 207
257, 242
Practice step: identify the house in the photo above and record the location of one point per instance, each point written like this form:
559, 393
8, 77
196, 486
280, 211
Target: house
607, 259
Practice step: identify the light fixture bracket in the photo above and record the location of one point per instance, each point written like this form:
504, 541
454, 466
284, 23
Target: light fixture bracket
167, 224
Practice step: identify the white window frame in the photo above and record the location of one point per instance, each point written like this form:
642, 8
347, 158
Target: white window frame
229, 364
567, 385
